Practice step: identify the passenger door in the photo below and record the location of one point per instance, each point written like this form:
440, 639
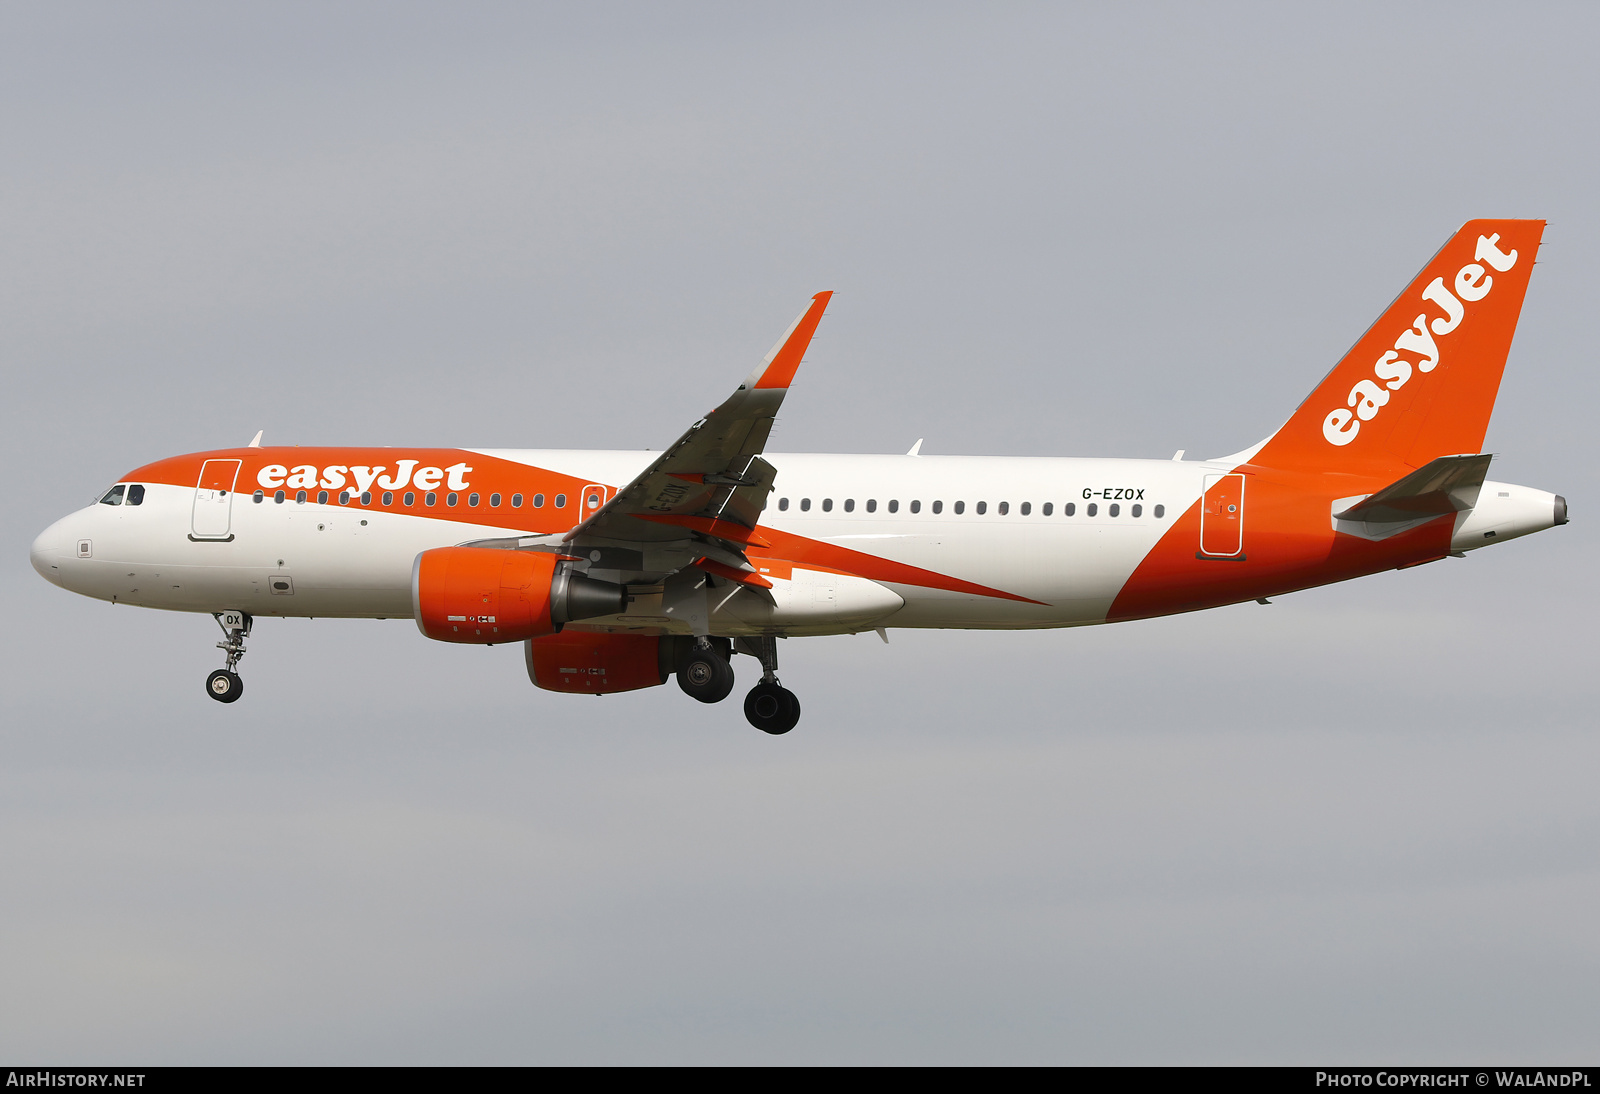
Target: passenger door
1222, 517
213, 501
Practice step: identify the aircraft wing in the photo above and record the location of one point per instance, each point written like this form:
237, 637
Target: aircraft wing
711, 485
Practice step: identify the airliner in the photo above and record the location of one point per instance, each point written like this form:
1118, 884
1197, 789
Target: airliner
616, 570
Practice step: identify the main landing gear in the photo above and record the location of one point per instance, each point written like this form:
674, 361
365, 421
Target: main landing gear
224, 685
705, 674
770, 707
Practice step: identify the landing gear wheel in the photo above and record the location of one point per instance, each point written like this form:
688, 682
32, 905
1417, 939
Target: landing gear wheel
224, 686
706, 676
772, 708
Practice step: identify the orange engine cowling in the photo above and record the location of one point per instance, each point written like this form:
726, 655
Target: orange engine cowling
595, 664
486, 594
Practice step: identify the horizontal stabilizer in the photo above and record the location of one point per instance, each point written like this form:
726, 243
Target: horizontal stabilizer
1449, 484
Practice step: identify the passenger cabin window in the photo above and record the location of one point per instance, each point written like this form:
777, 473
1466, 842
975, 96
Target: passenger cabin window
827, 505
1138, 510
113, 496
916, 507
872, 505
410, 498
451, 499
561, 501
538, 501
938, 506
960, 507
278, 497
894, 505
783, 505
259, 496
1093, 509
1069, 509
322, 497
299, 497
1026, 508
344, 497
494, 501
849, 505
388, 497
430, 498
366, 499
516, 501
1160, 511
1115, 510
805, 505
472, 501
983, 507
1045, 510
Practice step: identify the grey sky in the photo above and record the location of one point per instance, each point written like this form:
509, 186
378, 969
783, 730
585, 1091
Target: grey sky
1357, 826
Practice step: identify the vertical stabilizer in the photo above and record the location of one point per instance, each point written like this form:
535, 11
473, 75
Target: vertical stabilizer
1421, 382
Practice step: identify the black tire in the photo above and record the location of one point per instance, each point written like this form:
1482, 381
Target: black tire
706, 676
224, 686
772, 708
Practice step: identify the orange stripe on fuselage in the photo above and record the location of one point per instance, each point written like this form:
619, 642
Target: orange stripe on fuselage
799, 550
1288, 544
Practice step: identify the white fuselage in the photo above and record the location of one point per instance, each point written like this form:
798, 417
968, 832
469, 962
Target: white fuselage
352, 561
1059, 538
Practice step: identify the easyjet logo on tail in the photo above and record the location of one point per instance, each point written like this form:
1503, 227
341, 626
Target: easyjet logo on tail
1472, 283
334, 476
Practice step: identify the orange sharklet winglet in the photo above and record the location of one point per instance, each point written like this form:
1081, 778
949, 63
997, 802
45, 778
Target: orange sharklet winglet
711, 526
784, 360
743, 577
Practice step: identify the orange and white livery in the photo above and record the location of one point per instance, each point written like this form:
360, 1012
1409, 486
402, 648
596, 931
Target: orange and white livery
617, 570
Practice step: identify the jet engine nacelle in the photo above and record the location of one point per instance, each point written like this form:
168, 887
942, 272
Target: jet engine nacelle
597, 664
486, 594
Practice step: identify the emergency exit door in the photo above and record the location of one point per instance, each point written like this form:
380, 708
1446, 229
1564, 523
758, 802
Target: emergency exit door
1222, 517
213, 500
591, 499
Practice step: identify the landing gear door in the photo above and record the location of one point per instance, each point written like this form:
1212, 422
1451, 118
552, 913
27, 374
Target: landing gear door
213, 500
1222, 517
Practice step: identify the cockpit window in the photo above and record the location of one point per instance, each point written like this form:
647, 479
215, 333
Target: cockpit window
136, 494
113, 496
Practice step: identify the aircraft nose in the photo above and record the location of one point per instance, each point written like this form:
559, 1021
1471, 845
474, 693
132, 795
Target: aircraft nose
48, 552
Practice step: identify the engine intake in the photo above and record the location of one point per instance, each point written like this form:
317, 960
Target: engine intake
482, 595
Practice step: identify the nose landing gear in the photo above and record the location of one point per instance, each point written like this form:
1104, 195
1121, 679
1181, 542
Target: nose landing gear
770, 707
224, 685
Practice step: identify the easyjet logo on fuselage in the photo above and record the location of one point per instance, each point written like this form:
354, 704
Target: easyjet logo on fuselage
361, 476
1367, 397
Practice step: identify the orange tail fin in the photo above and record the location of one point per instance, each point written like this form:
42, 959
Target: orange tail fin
1421, 382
